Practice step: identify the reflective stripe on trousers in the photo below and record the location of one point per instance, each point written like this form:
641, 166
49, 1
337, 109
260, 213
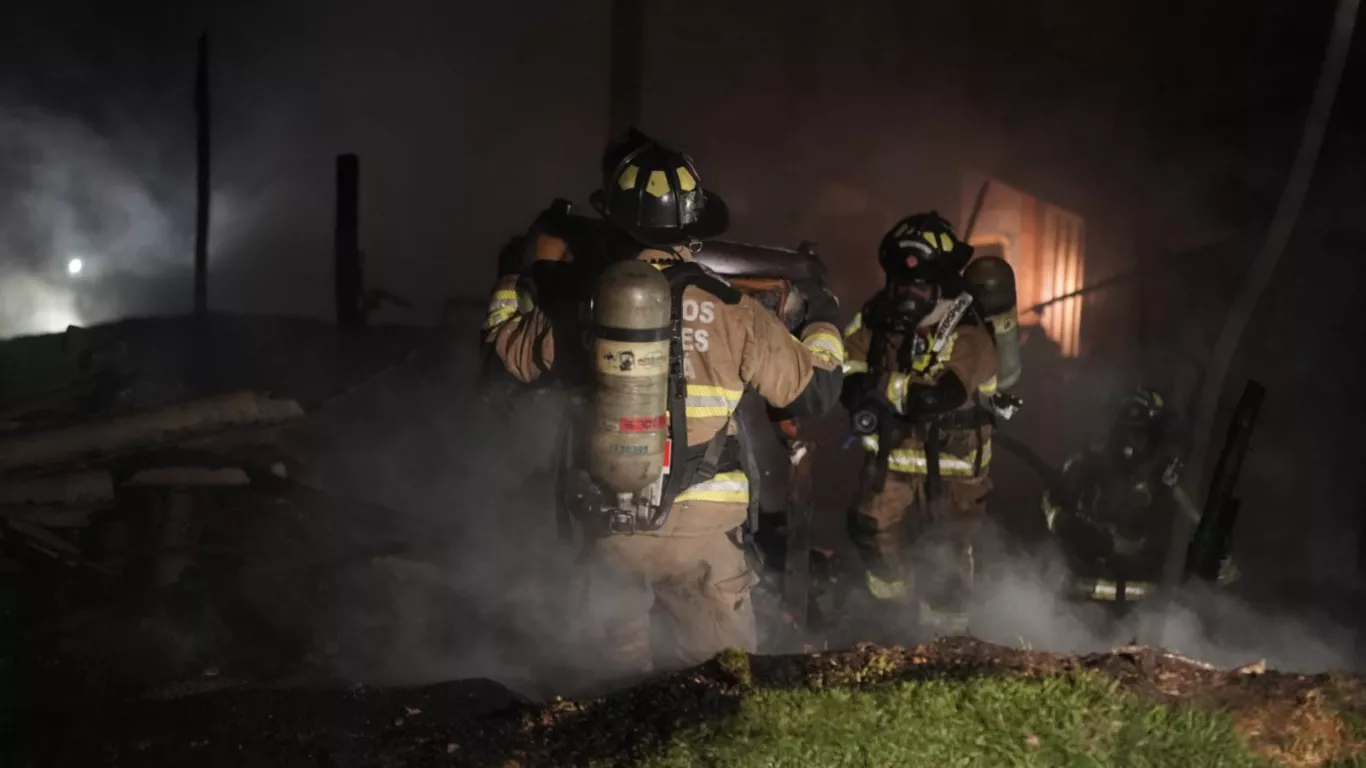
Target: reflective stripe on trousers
912, 461
725, 487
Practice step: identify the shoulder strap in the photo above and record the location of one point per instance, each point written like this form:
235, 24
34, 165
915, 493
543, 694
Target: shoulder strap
949, 323
685, 273
680, 276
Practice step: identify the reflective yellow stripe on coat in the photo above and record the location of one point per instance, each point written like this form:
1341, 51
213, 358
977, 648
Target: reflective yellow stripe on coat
502, 307
724, 488
912, 461
502, 310
854, 366
826, 346
705, 401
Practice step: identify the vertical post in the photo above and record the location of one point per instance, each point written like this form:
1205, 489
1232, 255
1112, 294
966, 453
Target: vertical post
625, 77
199, 373
202, 178
349, 275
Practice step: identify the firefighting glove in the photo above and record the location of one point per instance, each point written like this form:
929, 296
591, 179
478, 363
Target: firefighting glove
550, 283
1050, 511
1228, 572
869, 413
946, 394
821, 305
515, 256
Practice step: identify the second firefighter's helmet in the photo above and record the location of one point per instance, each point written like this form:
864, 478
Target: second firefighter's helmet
655, 194
1140, 426
922, 248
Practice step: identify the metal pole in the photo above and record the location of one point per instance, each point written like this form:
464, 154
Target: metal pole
349, 273
203, 185
1257, 278
625, 76
976, 210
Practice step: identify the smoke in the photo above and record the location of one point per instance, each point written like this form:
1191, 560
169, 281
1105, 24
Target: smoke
1020, 602
33, 304
121, 203
456, 570
72, 193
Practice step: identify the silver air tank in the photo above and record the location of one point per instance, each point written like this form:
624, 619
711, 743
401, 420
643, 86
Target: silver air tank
631, 332
992, 283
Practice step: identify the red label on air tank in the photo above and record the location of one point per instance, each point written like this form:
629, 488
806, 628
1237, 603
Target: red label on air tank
642, 423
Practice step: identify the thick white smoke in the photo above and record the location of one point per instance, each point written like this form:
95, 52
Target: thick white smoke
72, 192
32, 304
1021, 603
119, 199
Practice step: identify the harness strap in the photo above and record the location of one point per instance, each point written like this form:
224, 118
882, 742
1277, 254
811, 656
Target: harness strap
680, 276
932, 478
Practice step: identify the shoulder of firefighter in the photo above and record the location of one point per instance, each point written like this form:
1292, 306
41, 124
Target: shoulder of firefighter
964, 353
728, 346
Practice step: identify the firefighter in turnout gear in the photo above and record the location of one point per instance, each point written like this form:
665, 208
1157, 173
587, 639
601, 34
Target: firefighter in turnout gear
920, 364
1114, 504
673, 549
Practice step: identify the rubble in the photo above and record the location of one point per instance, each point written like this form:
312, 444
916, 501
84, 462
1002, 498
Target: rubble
104, 440
99, 426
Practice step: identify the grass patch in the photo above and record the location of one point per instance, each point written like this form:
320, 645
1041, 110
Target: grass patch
1061, 720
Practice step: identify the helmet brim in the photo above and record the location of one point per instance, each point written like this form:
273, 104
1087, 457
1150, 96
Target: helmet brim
714, 222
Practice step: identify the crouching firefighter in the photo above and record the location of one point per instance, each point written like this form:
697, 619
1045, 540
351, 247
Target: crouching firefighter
921, 389
653, 469
1112, 507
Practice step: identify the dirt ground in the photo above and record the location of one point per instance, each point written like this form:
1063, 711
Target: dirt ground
1297, 720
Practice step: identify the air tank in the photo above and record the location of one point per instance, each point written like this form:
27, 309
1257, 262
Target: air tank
631, 332
992, 283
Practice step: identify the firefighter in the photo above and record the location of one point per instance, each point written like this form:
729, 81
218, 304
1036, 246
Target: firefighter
920, 361
682, 558
1113, 508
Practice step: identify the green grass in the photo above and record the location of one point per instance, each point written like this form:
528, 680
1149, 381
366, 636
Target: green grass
1081, 720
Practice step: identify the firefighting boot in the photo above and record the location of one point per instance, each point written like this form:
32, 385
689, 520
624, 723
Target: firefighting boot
943, 604
941, 621
892, 616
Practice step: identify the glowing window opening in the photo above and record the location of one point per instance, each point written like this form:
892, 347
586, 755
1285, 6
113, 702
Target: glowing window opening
1045, 245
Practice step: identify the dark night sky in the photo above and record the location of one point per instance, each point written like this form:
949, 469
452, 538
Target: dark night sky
468, 116
816, 121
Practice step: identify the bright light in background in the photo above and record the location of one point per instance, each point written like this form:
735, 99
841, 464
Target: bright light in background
74, 267
1045, 245
30, 304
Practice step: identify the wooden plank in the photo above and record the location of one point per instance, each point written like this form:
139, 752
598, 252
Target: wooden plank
189, 477
49, 515
76, 488
170, 424
48, 540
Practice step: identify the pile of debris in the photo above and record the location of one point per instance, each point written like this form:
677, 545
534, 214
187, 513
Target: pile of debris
159, 505
99, 494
